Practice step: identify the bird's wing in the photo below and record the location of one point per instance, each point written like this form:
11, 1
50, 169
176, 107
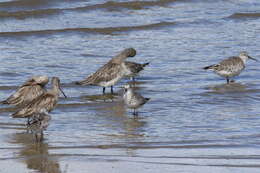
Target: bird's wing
24, 94
106, 73
139, 98
230, 62
134, 67
29, 82
44, 103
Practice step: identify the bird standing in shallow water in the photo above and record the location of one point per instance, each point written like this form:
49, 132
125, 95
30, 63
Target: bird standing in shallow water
110, 73
30, 90
231, 66
43, 104
132, 99
38, 124
133, 68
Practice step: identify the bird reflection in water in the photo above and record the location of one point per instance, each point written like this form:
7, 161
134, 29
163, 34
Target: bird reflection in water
36, 155
124, 129
225, 88
104, 97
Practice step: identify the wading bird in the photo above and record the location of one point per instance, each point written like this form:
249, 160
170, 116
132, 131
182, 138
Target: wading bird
110, 73
231, 66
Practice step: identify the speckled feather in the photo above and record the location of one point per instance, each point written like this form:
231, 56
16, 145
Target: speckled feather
25, 94
43, 104
39, 122
229, 64
135, 67
106, 73
133, 99
230, 67
110, 73
137, 100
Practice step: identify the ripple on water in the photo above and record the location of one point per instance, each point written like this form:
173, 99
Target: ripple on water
193, 123
244, 16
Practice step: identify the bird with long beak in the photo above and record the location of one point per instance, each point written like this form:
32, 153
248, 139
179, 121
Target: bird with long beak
43, 104
30, 90
231, 66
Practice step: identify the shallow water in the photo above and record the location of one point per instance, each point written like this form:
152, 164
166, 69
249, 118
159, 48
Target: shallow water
193, 122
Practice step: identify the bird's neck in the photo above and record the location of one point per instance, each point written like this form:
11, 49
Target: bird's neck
129, 92
118, 60
55, 91
243, 58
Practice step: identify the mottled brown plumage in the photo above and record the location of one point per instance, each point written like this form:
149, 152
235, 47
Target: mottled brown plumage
110, 73
231, 66
38, 124
106, 73
228, 64
30, 90
45, 103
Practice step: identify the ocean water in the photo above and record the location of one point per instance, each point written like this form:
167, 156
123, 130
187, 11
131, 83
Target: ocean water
194, 122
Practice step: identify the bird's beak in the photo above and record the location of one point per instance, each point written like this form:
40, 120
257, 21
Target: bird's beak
252, 58
63, 93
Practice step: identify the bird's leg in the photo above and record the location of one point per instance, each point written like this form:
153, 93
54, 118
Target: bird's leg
28, 130
41, 139
104, 89
28, 121
112, 90
134, 113
36, 137
227, 80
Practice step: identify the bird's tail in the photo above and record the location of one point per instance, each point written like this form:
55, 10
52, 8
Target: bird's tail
147, 99
17, 115
145, 64
79, 83
83, 82
209, 67
4, 102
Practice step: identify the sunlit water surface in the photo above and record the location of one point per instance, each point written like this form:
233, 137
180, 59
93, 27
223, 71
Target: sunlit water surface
194, 122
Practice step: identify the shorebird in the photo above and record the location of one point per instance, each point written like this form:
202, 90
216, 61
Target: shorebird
38, 124
133, 68
43, 104
231, 66
110, 73
30, 90
132, 99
